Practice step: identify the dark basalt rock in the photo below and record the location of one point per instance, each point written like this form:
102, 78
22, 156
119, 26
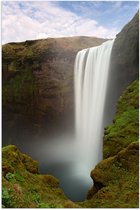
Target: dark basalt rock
124, 66
125, 52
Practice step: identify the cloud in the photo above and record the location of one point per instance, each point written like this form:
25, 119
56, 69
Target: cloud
33, 20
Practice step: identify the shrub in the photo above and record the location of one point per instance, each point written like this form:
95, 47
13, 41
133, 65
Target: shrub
6, 197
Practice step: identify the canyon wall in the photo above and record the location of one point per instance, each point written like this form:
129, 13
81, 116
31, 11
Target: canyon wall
38, 94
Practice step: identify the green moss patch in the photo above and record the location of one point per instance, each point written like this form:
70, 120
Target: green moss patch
24, 187
125, 127
119, 178
20, 89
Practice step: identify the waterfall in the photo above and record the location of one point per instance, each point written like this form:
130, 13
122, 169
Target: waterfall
90, 79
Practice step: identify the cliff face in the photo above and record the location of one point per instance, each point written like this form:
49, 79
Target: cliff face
124, 66
38, 83
125, 53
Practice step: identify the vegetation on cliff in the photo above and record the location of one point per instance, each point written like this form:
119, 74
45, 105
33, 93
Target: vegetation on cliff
116, 178
116, 181
24, 187
20, 89
44, 69
124, 129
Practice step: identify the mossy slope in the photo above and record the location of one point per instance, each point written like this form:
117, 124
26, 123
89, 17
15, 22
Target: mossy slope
116, 178
124, 129
24, 187
116, 181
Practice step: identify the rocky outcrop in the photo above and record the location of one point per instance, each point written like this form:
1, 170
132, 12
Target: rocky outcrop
124, 66
116, 181
125, 52
38, 84
24, 187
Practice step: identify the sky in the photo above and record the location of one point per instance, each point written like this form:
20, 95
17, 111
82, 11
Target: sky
29, 20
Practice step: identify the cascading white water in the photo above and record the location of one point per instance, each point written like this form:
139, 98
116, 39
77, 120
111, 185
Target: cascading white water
91, 76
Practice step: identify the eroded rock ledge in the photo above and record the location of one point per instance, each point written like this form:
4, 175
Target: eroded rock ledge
118, 178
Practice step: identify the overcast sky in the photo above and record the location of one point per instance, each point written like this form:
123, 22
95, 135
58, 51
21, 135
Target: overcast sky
27, 20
